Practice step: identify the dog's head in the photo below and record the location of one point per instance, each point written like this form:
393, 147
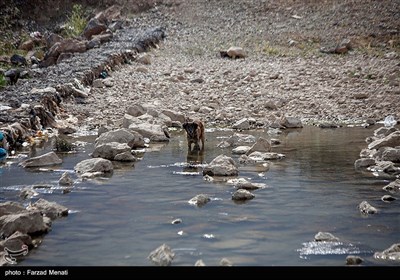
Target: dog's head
191, 129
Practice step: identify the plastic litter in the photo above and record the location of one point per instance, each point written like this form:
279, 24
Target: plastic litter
389, 121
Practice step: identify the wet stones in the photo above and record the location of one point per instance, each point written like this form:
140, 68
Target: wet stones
199, 200
391, 254
65, 180
49, 209
388, 198
366, 208
325, 236
393, 187
94, 165
162, 256
47, 159
353, 260
242, 195
221, 166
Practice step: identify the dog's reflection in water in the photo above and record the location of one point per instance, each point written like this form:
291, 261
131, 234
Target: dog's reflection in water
194, 160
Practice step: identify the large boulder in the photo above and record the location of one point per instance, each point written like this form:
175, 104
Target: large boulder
94, 165
44, 160
30, 222
238, 139
110, 150
262, 145
93, 27
136, 110
131, 138
290, 122
392, 140
16, 241
363, 163
221, 166
391, 154
154, 132
10, 207
49, 209
174, 116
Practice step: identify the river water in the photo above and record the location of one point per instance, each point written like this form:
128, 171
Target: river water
118, 221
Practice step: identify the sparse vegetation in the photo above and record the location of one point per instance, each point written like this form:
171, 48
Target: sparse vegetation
3, 81
62, 145
76, 22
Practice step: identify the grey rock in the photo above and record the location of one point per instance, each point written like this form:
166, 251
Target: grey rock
325, 236
393, 186
363, 163
392, 253
353, 260
110, 150
199, 200
238, 139
388, 198
10, 207
65, 179
240, 150
290, 122
391, 140
144, 59
174, 116
162, 256
125, 157
44, 160
53, 210
236, 52
242, 183
94, 165
366, 208
242, 124
225, 262
262, 145
93, 27
131, 138
30, 222
176, 221
27, 193
199, 263
136, 110
15, 241
259, 156
221, 166
242, 194
391, 154
154, 132
384, 131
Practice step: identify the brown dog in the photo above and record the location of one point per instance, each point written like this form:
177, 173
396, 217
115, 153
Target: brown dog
195, 134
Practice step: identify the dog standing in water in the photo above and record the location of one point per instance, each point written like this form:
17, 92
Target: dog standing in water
195, 134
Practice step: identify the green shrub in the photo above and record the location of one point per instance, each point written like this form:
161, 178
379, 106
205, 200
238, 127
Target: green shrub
3, 81
62, 145
76, 22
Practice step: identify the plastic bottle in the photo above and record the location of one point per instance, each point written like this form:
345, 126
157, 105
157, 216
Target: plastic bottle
389, 121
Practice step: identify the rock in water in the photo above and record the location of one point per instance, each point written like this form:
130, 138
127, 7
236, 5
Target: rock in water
162, 256
242, 194
325, 236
